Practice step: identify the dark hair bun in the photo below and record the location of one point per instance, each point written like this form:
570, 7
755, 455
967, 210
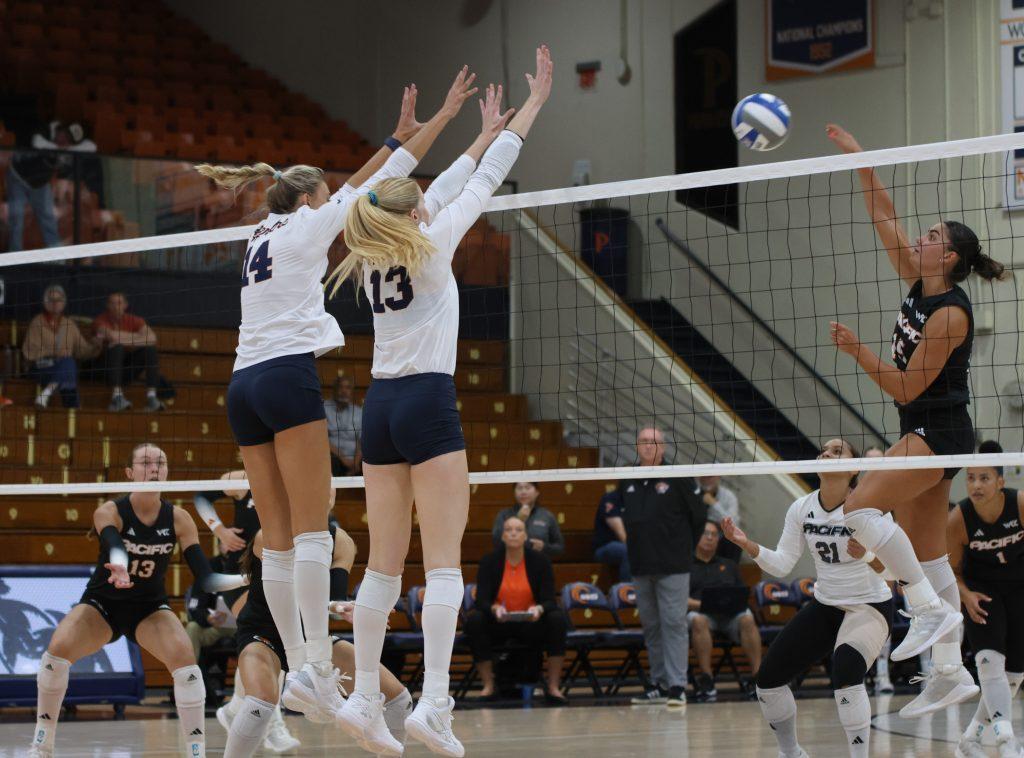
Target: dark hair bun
990, 446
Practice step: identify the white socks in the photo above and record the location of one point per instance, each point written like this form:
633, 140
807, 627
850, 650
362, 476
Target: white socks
279, 588
981, 718
942, 579
396, 711
376, 599
190, 702
51, 684
441, 603
855, 716
995, 691
779, 709
248, 728
313, 552
890, 543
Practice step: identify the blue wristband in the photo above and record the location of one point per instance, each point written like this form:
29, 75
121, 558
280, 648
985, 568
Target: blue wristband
392, 143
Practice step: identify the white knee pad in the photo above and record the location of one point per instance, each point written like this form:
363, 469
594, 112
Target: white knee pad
188, 685
444, 587
314, 547
279, 566
253, 718
991, 665
940, 575
871, 528
777, 703
379, 592
53, 673
854, 707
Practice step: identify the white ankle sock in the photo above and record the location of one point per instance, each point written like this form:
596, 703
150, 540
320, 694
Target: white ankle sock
190, 702
313, 551
51, 684
248, 728
855, 716
279, 589
441, 603
942, 579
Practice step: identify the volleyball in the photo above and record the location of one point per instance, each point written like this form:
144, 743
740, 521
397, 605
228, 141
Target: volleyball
761, 121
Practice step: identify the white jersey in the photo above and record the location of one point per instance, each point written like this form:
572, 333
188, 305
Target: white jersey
841, 578
416, 319
286, 259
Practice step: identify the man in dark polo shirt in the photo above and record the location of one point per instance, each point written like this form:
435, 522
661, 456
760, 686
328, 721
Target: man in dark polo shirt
661, 516
710, 571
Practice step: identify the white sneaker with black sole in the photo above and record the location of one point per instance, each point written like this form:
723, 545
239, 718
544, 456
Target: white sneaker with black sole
942, 688
927, 625
431, 724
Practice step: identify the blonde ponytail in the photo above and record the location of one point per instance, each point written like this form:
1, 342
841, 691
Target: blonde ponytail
282, 196
380, 234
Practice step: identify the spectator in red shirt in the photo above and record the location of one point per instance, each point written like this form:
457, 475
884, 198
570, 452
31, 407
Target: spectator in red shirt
129, 350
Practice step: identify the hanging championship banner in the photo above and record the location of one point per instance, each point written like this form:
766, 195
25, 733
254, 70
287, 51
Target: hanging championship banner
1011, 74
807, 37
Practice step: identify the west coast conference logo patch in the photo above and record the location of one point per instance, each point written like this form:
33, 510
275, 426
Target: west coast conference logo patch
661, 488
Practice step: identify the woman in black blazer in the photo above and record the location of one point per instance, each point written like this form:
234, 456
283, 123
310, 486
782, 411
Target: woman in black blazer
513, 580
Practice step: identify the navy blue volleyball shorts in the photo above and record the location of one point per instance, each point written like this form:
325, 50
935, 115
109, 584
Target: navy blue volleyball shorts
273, 396
410, 419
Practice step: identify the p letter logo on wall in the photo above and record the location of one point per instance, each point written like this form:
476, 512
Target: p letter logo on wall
807, 37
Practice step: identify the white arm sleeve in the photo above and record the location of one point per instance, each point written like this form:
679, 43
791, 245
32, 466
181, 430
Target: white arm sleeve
783, 558
452, 223
327, 221
447, 186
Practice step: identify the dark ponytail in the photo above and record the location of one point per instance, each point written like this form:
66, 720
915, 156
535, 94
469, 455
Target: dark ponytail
964, 242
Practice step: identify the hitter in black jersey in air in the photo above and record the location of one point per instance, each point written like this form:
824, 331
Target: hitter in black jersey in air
126, 596
986, 549
928, 381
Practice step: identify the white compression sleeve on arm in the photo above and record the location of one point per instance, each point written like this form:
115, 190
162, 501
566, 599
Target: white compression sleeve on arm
448, 185
783, 558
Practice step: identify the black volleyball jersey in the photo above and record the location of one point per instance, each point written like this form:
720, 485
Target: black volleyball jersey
149, 553
994, 552
950, 387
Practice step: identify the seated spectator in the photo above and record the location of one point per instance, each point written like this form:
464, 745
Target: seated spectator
610, 535
515, 580
721, 502
541, 524
53, 346
129, 350
711, 571
344, 424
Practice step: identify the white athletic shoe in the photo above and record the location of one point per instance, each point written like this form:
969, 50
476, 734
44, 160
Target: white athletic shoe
279, 739
927, 625
1010, 748
883, 686
39, 751
940, 691
314, 694
362, 718
968, 747
431, 724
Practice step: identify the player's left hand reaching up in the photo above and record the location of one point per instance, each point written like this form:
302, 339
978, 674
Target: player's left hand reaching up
540, 83
408, 126
490, 113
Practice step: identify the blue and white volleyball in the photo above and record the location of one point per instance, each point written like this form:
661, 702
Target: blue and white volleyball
761, 121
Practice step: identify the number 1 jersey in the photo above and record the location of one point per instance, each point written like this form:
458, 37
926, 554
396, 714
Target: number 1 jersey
841, 578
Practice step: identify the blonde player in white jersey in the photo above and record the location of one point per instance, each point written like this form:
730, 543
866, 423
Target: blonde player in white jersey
402, 244
274, 400
849, 617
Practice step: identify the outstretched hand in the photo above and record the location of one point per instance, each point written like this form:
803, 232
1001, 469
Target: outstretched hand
461, 90
844, 338
842, 138
408, 126
490, 113
732, 531
119, 576
540, 82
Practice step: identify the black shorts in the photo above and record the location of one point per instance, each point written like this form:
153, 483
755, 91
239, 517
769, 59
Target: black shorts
231, 596
123, 616
410, 419
946, 431
1003, 630
273, 396
266, 634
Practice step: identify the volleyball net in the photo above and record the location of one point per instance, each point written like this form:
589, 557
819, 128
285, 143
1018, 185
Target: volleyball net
699, 304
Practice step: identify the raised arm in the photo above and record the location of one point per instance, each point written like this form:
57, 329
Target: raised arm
944, 331
881, 210
407, 128
783, 558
